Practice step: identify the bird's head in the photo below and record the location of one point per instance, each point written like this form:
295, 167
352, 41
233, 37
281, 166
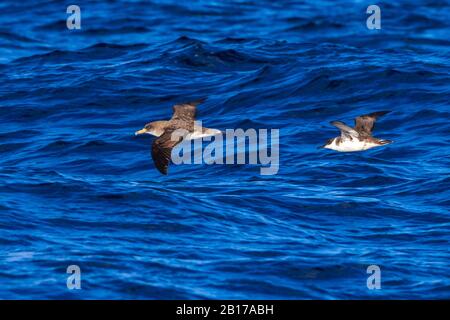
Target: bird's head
153, 128
147, 129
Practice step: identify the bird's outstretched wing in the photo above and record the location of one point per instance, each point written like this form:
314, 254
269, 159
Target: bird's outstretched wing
346, 131
365, 124
185, 111
162, 150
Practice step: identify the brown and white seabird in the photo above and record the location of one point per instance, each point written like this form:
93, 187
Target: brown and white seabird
358, 138
183, 118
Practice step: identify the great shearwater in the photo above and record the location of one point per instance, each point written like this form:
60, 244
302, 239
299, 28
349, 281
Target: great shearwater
358, 138
183, 118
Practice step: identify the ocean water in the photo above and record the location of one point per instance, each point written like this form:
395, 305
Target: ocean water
78, 188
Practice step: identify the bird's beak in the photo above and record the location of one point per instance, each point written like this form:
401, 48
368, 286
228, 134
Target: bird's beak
140, 132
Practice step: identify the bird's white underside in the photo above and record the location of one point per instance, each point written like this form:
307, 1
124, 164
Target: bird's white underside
347, 145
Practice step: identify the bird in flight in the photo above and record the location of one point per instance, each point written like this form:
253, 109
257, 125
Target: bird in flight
358, 138
171, 132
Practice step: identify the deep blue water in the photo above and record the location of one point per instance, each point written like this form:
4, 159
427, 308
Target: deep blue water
77, 187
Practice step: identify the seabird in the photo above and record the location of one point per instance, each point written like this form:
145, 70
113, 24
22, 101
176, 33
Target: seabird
183, 118
358, 138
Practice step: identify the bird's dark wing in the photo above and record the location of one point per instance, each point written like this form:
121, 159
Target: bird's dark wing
365, 124
346, 131
186, 111
162, 150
